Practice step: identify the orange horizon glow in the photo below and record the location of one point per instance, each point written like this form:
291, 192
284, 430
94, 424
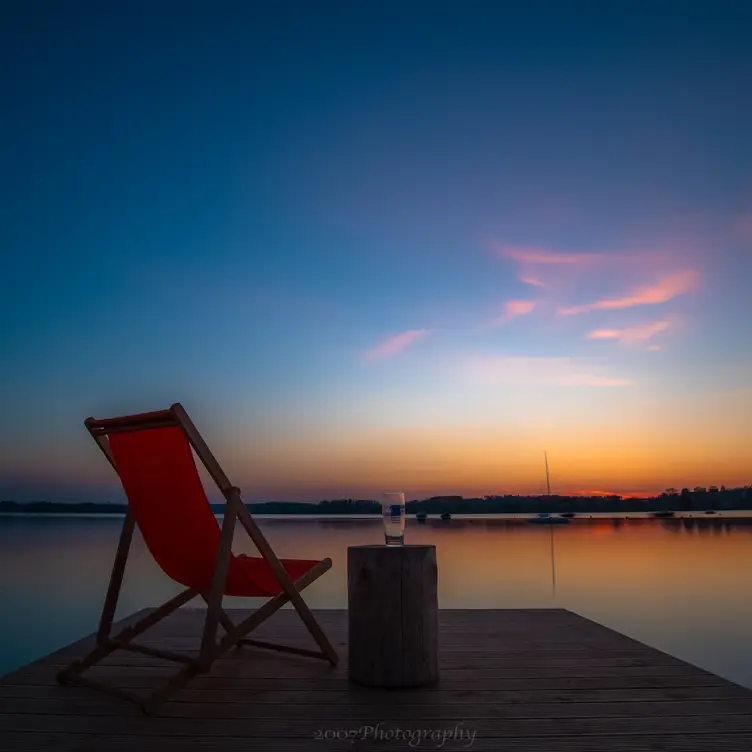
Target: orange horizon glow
623, 494
604, 440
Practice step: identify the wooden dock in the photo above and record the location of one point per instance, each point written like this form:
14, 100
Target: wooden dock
543, 680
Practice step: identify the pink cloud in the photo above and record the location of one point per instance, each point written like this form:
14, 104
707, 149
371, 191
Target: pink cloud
532, 280
631, 334
513, 309
536, 266
666, 289
395, 345
531, 260
547, 372
541, 256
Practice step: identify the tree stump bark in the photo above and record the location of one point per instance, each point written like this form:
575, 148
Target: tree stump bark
393, 615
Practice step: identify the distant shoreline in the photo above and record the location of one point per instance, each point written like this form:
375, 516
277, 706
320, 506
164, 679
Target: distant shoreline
679, 502
726, 514
729, 515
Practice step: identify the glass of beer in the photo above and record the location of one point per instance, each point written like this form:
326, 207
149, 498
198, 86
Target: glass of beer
393, 514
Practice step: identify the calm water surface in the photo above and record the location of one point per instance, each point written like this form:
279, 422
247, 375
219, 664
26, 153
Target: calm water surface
680, 585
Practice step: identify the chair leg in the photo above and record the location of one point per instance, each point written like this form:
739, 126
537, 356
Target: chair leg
309, 619
116, 577
227, 624
282, 648
152, 703
316, 631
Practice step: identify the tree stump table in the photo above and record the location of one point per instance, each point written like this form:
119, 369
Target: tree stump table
393, 615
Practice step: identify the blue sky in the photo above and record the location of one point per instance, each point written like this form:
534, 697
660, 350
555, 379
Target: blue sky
235, 205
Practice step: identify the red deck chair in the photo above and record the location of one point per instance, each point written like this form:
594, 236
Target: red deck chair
151, 452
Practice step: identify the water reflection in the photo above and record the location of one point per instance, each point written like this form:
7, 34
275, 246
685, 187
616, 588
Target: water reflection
677, 584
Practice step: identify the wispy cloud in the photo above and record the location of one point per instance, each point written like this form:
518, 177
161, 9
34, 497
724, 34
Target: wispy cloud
631, 334
666, 289
527, 255
395, 344
513, 309
551, 372
542, 267
529, 279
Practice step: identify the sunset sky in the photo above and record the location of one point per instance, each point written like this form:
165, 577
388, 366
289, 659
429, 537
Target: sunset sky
379, 245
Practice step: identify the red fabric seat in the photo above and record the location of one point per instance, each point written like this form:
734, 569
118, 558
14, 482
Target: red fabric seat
260, 574
168, 502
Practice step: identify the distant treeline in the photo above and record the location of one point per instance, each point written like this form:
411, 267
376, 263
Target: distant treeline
671, 500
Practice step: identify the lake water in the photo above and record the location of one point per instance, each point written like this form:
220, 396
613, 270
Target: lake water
680, 585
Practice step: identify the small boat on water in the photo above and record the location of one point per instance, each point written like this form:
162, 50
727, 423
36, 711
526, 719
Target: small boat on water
544, 518
711, 511
567, 514
421, 517
663, 514
446, 516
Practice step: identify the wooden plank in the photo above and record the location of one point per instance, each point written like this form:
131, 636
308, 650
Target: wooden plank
304, 728
177, 627
352, 695
463, 643
182, 625
135, 677
286, 669
448, 619
449, 660
45, 742
449, 663
479, 646
38, 742
375, 711
185, 619
521, 642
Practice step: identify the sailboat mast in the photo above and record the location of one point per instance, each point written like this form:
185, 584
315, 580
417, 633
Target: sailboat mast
548, 482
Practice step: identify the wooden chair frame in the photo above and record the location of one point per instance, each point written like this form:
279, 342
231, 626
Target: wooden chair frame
235, 634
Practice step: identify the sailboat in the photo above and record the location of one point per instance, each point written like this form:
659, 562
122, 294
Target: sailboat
544, 518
